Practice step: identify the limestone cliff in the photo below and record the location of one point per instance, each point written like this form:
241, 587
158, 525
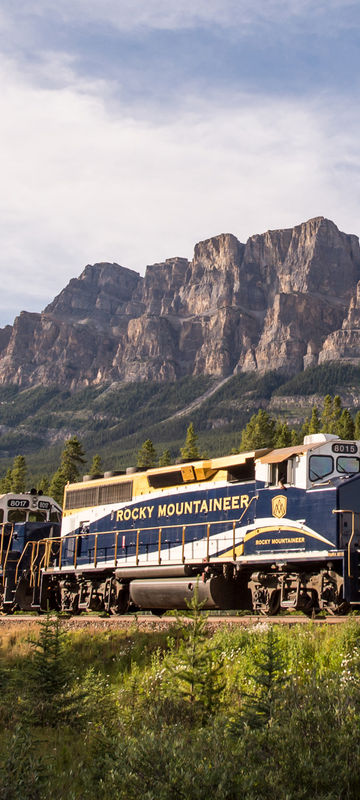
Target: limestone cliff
284, 300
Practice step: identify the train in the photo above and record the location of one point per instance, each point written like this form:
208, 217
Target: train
26, 519
261, 531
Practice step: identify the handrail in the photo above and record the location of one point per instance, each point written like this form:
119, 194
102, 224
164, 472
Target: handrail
21, 558
2, 541
8, 547
75, 537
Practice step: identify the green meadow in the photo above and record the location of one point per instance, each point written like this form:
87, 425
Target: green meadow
243, 712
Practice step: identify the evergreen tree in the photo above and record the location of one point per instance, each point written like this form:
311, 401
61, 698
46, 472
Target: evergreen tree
357, 426
345, 426
335, 415
147, 456
190, 450
18, 474
71, 459
259, 432
165, 459
314, 425
57, 485
305, 429
68, 472
48, 677
282, 436
326, 416
197, 676
43, 485
268, 677
295, 438
5, 483
96, 465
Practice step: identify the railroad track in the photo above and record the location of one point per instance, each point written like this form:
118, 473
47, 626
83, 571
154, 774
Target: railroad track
149, 622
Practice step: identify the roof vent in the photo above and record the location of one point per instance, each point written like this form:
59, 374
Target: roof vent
319, 438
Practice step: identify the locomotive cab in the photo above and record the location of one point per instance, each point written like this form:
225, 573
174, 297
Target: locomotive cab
320, 459
26, 519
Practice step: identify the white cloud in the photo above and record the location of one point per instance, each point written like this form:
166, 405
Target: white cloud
126, 15
81, 183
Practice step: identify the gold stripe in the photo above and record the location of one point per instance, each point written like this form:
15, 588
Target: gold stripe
282, 529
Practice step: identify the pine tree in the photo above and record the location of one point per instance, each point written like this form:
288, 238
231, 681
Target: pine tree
47, 676
295, 438
314, 425
357, 426
71, 458
326, 416
268, 677
190, 450
305, 429
43, 485
165, 459
335, 415
345, 426
18, 474
282, 436
5, 483
197, 676
96, 465
259, 432
57, 485
147, 456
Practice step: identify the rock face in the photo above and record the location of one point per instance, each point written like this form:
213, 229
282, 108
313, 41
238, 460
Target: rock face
285, 300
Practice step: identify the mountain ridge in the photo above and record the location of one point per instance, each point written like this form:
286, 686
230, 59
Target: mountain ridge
285, 300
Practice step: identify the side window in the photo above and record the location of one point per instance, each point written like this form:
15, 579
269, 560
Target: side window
320, 467
1, 515
280, 473
348, 464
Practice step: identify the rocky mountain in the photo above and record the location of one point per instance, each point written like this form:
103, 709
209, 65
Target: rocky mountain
285, 300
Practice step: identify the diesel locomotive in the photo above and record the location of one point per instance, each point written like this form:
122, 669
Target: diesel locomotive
261, 531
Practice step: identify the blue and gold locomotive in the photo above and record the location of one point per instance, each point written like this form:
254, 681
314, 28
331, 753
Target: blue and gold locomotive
26, 519
262, 531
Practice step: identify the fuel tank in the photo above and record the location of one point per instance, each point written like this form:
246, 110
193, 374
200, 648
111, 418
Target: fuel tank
166, 593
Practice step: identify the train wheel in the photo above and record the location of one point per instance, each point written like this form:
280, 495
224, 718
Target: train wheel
273, 604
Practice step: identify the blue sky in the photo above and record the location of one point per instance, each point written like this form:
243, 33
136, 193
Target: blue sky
131, 130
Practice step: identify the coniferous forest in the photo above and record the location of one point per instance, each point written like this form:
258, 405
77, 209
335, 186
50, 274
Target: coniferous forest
114, 421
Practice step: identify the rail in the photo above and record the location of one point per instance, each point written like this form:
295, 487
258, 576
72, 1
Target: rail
158, 533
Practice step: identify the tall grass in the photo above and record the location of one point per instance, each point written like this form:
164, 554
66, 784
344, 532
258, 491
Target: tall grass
248, 713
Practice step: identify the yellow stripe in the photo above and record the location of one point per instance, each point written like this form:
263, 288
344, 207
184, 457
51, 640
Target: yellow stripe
239, 551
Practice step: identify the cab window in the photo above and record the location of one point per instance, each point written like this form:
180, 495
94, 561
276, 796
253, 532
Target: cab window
37, 516
320, 467
348, 464
16, 515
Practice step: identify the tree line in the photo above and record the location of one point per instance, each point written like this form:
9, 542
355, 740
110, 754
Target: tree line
262, 430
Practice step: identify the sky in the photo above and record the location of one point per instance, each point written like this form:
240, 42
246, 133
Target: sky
132, 129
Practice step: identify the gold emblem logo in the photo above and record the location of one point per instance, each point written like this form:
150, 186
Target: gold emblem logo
279, 506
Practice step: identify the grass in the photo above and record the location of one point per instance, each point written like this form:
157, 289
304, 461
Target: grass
132, 731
